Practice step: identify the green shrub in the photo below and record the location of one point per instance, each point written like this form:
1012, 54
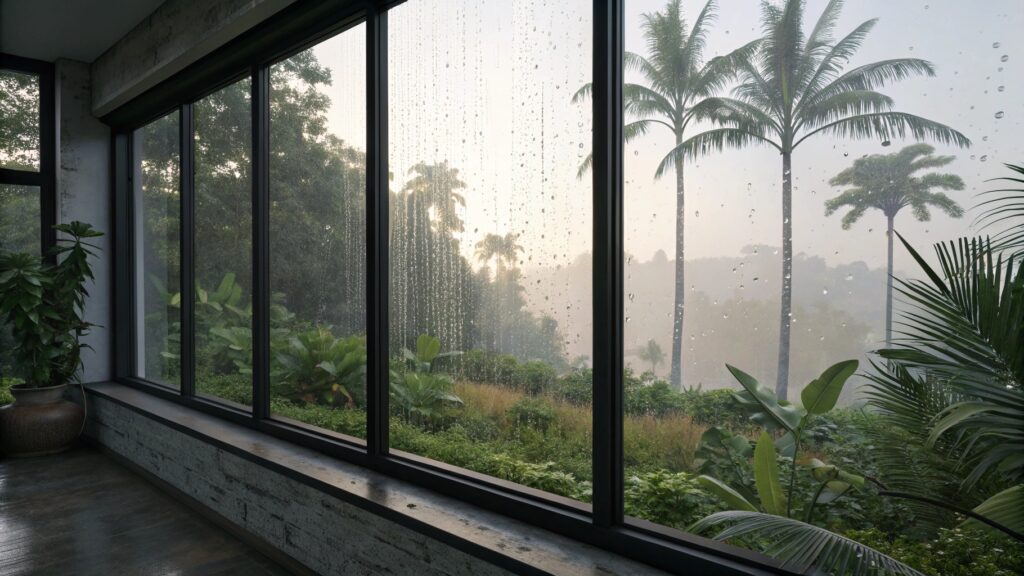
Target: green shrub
953, 552
535, 377
488, 367
317, 367
656, 398
667, 498
576, 388
532, 412
232, 387
714, 408
540, 476
341, 420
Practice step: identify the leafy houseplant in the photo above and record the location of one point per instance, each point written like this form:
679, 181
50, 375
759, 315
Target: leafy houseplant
43, 304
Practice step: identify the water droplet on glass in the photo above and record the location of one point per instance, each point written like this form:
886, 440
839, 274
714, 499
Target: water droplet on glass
824, 291
1001, 88
995, 44
999, 114
1004, 58
983, 158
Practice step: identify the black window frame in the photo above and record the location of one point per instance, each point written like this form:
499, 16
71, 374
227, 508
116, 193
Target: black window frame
46, 178
296, 28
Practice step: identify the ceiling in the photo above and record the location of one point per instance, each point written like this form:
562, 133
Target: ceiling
76, 29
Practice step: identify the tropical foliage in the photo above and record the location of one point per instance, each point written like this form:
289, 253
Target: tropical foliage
44, 304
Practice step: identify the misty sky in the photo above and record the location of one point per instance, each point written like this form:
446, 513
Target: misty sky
487, 86
479, 83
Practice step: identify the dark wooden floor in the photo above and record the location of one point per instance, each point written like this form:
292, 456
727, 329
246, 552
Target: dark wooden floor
82, 513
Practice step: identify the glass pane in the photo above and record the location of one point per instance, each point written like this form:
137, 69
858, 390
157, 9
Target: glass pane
223, 244
318, 235
762, 192
157, 207
490, 228
19, 121
19, 232
20, 219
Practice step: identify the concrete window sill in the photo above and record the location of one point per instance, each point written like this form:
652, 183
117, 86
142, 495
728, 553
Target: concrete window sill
501, 542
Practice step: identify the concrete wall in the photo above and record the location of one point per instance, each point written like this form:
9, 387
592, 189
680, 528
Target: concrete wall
175, 35
83, 193
324, 533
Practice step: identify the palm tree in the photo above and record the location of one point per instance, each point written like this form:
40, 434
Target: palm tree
795, 87
677, 84
886, 182
505, 249
652, 353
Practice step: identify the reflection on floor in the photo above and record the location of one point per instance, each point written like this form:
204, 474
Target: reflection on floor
82, 513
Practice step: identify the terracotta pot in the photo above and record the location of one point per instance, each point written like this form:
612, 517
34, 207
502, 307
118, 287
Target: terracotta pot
40, 421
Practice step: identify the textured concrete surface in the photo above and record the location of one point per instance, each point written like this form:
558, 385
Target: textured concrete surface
175, 35
341, 518
83, 193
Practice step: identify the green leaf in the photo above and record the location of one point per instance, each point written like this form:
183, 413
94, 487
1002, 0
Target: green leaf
766, 476
1006, 508
762, 398
823, 472
800, 547
821, 394
725, 493
427, 348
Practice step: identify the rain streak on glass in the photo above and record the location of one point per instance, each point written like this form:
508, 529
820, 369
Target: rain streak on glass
490, 232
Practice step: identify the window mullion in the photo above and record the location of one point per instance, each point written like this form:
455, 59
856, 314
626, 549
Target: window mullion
377, 232
608, 315
261, 241
186, 129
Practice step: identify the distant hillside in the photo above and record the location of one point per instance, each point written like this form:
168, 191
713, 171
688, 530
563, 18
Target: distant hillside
731, 312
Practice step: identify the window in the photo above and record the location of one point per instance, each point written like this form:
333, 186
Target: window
419, 243
763, 194
26, 166
20, 132
222, 140
318, 235
157, 204
488, 219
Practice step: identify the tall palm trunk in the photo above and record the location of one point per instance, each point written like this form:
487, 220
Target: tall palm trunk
782, 380
680, 295
888, 284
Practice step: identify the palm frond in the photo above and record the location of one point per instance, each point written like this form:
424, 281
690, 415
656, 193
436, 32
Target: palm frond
1007, 207
735, 114
965, 328
873, 76
842, 105
886, 125
720, 70
693, 53
640, 101
832, 62
709, 141
802, 547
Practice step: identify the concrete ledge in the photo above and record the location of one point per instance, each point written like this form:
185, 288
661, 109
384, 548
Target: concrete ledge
329, 515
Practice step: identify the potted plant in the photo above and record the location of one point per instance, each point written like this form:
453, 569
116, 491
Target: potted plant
42, 301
